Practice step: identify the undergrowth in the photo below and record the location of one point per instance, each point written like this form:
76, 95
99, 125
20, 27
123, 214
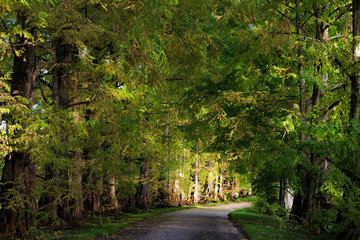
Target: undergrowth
94, 226
259, 226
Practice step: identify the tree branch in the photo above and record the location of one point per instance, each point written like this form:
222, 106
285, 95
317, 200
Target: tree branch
41, 90
337, 86
337, 36
347, 172
78, 103
348, 8
45, 83
293, 22
174, 79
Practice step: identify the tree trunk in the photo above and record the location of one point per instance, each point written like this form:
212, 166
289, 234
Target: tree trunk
355, 77
299, 200
92, 187
77, 192
210, 187
164, 193
76, 188
143, 196
61, 74
196, 183
282, 193
18, 175
112, 193
306, 201
19, 171
216, 189
182, 194
221, 186
175, 198
60, 204
286, 198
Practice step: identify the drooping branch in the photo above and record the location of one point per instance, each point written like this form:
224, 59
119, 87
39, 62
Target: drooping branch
295, 22
78, 103
334, 37
41, 90
337, 86
341, 15
347, 172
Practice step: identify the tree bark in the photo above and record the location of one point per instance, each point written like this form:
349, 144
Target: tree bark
355, 77
76, 188
112, 192
299, 201
176, 198
221, 185
182, 191
311, 182
19, 171
143, 196
60, 204
216, 189
196, 183
61, 74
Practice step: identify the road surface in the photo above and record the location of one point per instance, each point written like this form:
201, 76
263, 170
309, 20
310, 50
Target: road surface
195, 223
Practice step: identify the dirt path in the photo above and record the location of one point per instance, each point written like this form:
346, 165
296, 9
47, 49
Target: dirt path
196, 223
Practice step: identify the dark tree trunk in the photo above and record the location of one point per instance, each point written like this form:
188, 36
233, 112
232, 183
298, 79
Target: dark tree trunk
355, 77
92, 185
297, 209
354, 114
64, 54
59, 202
310, 179
164, 190
18, 175
282, 193
19, 171
142, 196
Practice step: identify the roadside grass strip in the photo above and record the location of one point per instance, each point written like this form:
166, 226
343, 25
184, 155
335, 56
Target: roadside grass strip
258, 226
95, 226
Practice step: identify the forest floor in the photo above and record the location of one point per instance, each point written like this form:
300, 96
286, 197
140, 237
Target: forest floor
207, 222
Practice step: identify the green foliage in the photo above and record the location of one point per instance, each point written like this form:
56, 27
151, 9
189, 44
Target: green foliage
259, 226
96, 226
274, 209
252, 92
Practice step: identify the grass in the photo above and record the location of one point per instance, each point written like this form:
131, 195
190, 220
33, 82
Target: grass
263, 227
246, 199
83, 232
96, 226
242, 199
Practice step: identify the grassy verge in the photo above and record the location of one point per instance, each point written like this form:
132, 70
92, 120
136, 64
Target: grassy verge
244, 199
95, 226
263, 227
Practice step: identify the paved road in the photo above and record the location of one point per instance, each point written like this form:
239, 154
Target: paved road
195, 223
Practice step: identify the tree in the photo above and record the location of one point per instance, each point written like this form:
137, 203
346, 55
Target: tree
18, 177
